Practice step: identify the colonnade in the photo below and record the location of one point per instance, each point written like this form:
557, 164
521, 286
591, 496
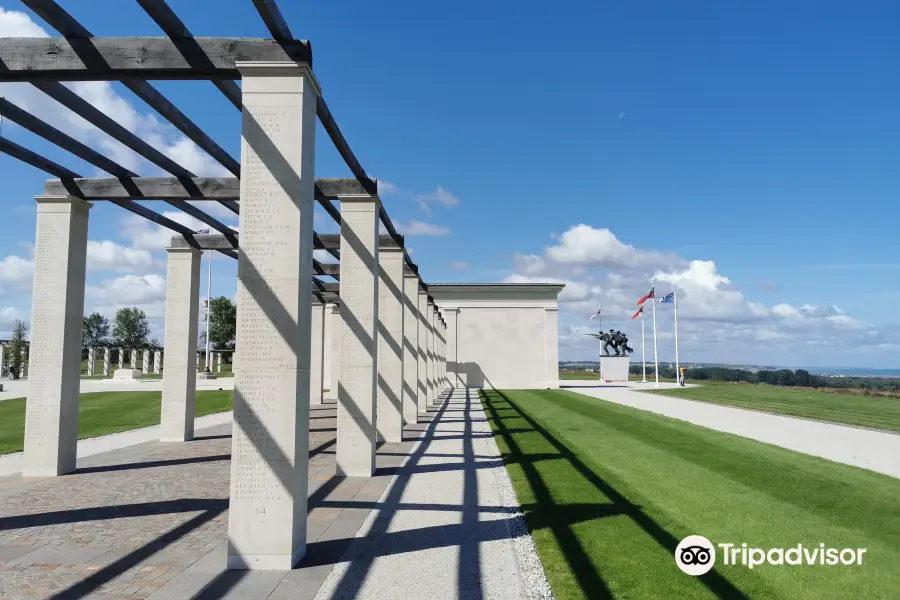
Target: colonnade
383, 341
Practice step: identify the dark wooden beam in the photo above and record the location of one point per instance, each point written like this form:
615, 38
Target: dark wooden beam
108, 125
195, 188
64, 141
201, 216
275, 23
35, 160
337, 138
333, 240
54, 59
216, 241
79, 38
184, 40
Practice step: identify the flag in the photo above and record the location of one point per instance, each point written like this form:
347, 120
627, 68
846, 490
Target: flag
668, 298
204, 230
638, 313
596, 314
650, 294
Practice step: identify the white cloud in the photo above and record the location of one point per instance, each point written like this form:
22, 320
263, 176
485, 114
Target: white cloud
15, 273
159, 134
418, 228
145, 235
386, 188
438, 196
110, 256
716, 320
146, 292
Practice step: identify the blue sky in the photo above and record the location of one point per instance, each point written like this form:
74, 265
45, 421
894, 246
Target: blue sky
759, 140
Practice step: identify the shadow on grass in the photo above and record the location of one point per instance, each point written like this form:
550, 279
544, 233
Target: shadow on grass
547, 513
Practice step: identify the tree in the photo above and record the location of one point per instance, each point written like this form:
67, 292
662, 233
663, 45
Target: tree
222, 324
95, 330
132, 328
16, 347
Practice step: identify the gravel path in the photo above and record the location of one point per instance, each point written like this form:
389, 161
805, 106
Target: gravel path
873, 450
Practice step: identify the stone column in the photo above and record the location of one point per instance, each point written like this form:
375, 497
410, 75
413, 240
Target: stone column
335, 351
121, 358
157, 361
145, 363
410, 345
134, 356
179, 387
106, 356
270, 448
199, 362
327, 351
429, 353
51, 408
92, 364
356, 412
451, 369
218, 357
2, 358
390, 340
316, 349
422, 370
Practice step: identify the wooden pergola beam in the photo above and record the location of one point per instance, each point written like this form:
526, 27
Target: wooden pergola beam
184, 40
194, 188
79, 37
275, 23
55, 59
35, 160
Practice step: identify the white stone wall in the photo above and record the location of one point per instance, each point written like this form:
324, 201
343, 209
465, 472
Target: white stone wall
504, 335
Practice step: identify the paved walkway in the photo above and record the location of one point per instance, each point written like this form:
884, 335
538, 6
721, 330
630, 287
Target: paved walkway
873, 450
150, 521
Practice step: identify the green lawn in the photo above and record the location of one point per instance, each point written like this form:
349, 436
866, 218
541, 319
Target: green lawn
867, 411
106, 412
609, 491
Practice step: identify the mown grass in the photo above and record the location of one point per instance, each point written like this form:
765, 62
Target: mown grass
103, 413
609, 491
865, 411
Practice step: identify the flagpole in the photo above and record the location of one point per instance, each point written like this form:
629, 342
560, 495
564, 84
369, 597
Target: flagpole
643, 351
208, 307
655, 350
675, 308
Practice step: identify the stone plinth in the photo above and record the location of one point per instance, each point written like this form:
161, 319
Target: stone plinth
390, 342
270, 437
51, 409
182, 311
410, 346
422, 396
356, 411
127, 375
614, 368
317, 348
205, 375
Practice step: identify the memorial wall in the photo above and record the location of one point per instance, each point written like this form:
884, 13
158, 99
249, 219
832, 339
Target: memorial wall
501, 335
